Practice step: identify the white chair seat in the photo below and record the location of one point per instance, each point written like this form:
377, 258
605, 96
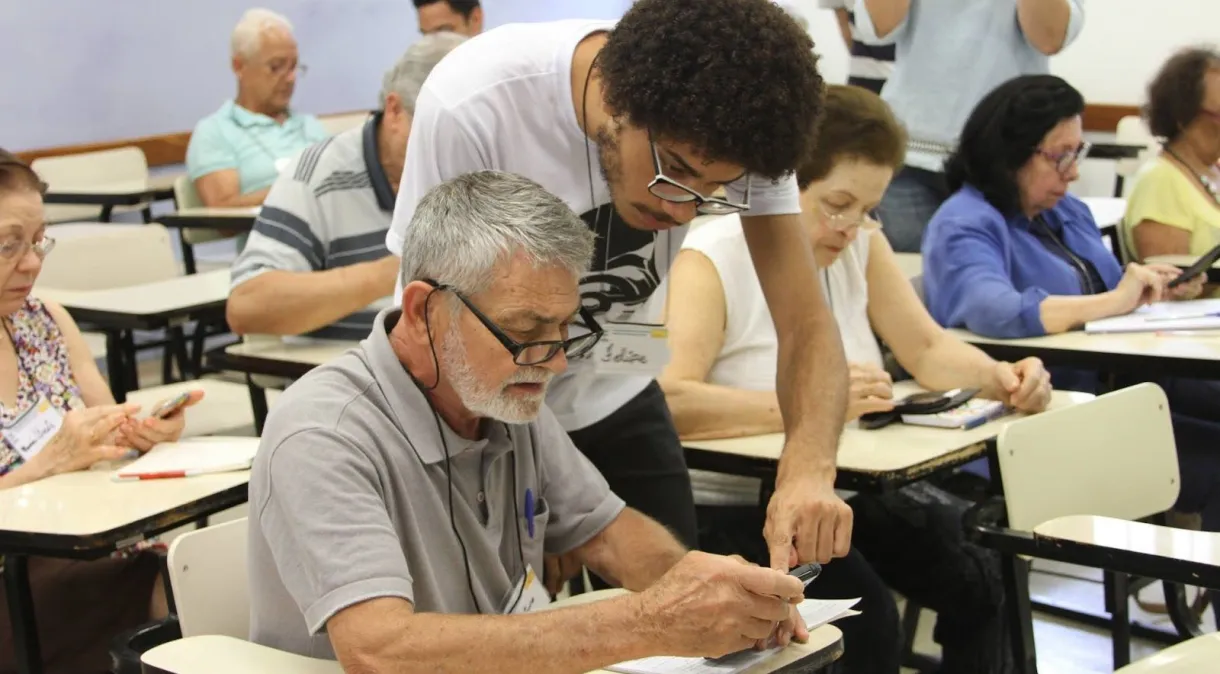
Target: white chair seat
225, 406
1189, 657
1202, 547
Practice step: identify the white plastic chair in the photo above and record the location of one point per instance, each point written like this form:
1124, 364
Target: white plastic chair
1074, 480
1132, 130
185, 197
99, 257
207, 571
89, 169
336, 124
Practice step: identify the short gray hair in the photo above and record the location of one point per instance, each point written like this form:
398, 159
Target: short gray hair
464, 227
248, 34
407, 75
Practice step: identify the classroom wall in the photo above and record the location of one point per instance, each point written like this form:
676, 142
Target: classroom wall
80, 71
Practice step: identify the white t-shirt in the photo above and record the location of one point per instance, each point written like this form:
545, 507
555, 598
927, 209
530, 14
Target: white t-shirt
503, 100
748, 358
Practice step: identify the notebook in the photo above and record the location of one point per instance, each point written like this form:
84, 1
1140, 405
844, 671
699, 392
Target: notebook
816, 612
1188, 315
970, 414
193, 456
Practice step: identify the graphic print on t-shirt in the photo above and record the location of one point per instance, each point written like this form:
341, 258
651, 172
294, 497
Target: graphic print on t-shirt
625, 270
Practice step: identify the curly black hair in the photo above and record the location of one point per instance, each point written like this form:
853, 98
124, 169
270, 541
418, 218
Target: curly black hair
736, 79
1003, 132
463, 7
1175, 95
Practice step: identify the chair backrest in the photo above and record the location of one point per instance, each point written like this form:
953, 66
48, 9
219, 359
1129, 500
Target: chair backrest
335, 124
1112, 456
185, 196
87, 169
101, 256
207, 571
1132, 130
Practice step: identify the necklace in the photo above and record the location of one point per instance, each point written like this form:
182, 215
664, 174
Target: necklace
1204, 180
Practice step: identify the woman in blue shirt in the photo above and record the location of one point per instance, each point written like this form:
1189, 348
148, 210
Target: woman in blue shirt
1012, 254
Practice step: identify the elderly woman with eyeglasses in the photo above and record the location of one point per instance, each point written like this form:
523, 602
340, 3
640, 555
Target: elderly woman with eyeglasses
57, 416
1012, 254
720, 382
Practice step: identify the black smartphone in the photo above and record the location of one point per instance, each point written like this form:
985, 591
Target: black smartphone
1200, 266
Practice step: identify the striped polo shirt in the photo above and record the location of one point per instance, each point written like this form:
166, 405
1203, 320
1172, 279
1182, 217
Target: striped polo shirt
330, 207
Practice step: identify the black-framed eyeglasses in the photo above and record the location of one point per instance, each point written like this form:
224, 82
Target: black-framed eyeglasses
666, 188
1065, 161
533, 353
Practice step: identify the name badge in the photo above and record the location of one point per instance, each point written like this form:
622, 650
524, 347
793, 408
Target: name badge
31, 431
528, 594
631, 348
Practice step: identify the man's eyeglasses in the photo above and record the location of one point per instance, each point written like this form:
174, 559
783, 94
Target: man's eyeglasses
533, 353
842, 219
668, 189
280, 68
13, 249
1065, 161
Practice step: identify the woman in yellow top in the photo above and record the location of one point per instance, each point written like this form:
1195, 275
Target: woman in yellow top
1174, 208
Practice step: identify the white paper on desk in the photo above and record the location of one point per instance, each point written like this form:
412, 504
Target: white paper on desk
1165, 315
816, 612
193, 456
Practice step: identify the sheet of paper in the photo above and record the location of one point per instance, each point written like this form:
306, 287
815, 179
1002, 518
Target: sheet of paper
816, 612
194, 455
1189, 315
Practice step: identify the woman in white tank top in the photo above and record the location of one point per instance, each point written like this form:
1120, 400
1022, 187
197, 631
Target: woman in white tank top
720, 382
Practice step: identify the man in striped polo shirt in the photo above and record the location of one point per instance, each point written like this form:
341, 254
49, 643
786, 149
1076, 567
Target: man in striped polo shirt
316, 262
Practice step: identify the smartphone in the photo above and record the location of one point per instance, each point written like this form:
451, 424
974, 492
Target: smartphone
172, 405
1200, 266
807, 573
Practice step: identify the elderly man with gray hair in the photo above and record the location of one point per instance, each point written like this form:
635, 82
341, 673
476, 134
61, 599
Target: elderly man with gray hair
312, 265
235, 152
405, 493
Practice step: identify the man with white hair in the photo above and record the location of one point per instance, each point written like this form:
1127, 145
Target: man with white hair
405, 493
313, 264
234, 152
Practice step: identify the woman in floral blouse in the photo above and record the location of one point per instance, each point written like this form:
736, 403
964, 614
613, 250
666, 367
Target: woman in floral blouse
57, 415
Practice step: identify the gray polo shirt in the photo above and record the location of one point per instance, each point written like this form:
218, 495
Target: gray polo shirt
349, 501
330, 207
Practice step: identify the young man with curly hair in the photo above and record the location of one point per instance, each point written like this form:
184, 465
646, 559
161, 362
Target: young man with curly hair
677, 109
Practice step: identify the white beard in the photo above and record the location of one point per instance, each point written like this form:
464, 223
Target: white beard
491, 401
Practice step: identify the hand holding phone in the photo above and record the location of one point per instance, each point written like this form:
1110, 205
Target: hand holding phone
171, 406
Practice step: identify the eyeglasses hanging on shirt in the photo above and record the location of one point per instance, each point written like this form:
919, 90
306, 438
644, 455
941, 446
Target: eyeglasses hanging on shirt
1090, 280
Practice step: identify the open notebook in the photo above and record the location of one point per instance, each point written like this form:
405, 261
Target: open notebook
816, 612
1189, 315
193, 456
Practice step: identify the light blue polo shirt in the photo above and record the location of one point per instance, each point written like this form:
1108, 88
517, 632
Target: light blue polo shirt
236, 138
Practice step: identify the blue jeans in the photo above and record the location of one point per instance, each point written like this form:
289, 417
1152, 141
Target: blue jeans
909, 204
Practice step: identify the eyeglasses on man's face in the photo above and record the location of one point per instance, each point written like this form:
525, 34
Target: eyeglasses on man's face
1065, 161
537, 352
667, 189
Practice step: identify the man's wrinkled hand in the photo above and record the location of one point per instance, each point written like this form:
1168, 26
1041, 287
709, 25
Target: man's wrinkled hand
806, 522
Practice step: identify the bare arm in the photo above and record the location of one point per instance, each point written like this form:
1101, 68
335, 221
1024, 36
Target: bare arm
386, 635
1154, 238
1045, 23
633, 552
886, 14
696, 317
279, 302
222, 189
812, 373
844, 26
936, 359
1061, 313
93, 387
